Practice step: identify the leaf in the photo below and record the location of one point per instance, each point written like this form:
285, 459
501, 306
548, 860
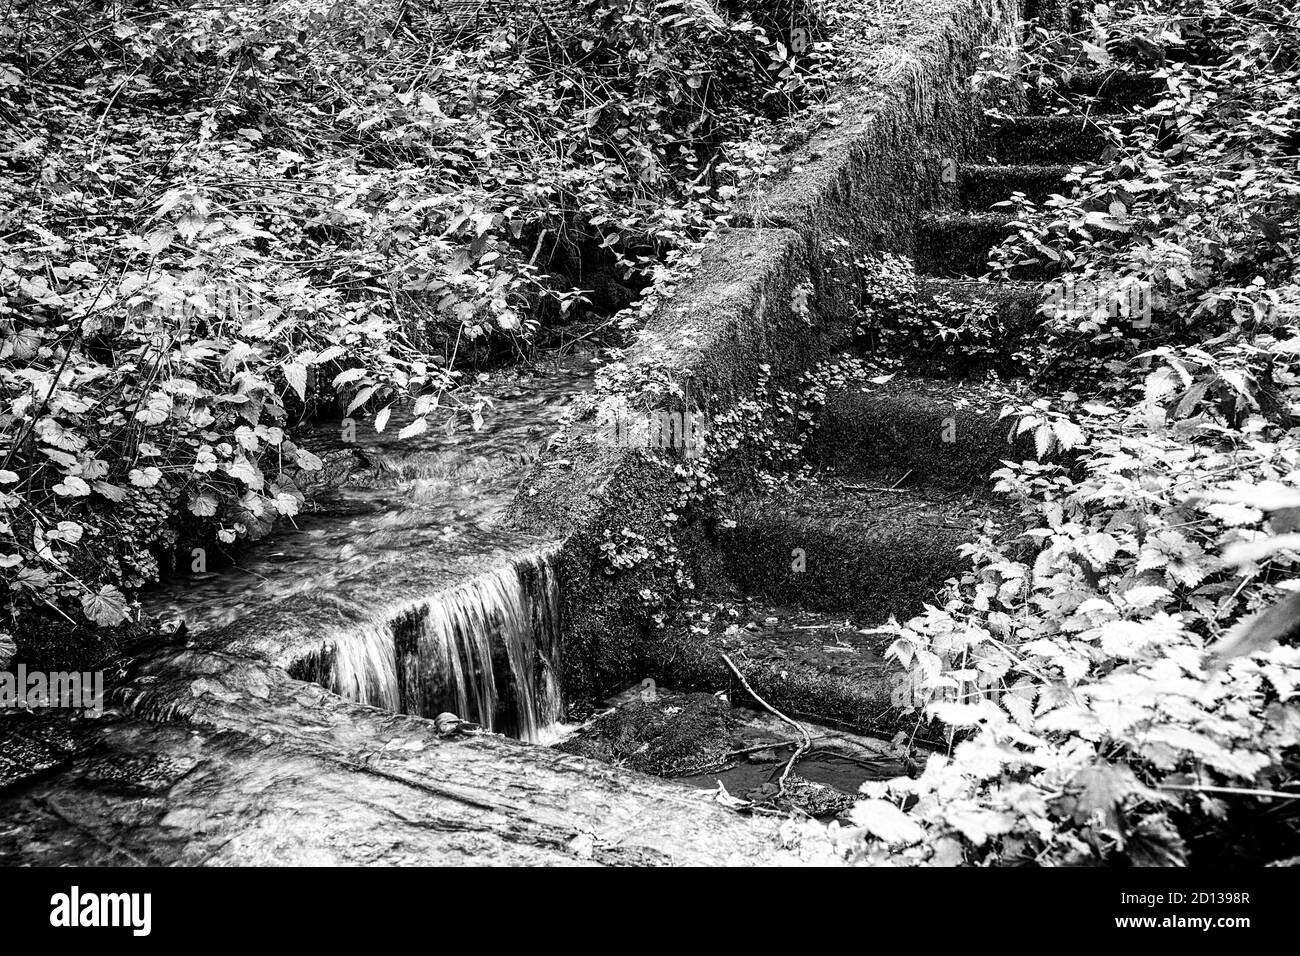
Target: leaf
72, 487
1043, 438
204, 504
381, 418
296, 376
245, 471
113, 493
1068, 434
1146, 595
360, 398
1244, 552
307, 461
8, 648
886, 822
1101, 789
348, 376
416, 427
1281, 622
1097, 54
106, 607
144, 477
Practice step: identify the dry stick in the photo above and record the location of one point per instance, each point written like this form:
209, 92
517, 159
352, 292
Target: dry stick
893, 487
807, 740
1237, 791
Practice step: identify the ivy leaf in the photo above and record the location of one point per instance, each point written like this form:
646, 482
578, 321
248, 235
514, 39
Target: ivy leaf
106, 607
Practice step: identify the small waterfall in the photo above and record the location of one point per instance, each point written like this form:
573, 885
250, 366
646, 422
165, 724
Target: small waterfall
487, 650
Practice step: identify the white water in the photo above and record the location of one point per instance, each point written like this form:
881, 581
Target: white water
487, 650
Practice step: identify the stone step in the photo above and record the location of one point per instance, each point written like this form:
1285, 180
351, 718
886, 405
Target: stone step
957, 245
948, 432
1108, 90
978, 187
854, 546
811, 665
1045, 140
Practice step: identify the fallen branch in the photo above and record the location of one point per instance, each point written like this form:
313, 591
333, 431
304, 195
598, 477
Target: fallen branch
807, 740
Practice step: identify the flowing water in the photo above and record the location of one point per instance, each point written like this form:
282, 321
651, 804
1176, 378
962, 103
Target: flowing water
405, 590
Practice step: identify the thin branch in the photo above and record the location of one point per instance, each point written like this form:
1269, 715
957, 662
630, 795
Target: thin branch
807, 740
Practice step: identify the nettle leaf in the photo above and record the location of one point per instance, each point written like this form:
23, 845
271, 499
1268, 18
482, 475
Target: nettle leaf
107, 607
349, 376
1146, 595
417, 427
296, 377
886, 822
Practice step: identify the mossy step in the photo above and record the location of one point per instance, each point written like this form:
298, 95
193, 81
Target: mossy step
1110, 90
979, 187
1046, 140
811, 665
854, 546
958, 245
950, 433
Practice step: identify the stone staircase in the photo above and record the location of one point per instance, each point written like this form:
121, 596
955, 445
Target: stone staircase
903, 468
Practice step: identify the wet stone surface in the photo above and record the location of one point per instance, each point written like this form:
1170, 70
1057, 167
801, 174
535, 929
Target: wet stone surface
703, 741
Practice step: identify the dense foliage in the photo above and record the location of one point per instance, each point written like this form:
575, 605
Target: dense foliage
217, 220
1117, 695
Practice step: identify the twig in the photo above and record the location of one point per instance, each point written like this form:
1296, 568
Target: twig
774, 745
893, 487
1235, 791
807, 740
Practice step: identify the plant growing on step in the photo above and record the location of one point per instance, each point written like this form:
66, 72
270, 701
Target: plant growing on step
897, 318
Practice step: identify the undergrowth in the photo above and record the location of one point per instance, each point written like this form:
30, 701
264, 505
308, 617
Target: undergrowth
220, 220
1127, 694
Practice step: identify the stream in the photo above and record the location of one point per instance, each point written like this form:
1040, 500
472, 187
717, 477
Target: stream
404, 579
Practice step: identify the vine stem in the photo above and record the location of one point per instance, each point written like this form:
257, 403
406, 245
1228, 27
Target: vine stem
807, 740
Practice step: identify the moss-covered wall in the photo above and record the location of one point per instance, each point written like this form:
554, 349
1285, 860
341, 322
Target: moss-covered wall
840, 191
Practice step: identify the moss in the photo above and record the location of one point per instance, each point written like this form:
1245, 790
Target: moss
49, 643
978, 187
670, 735
948, 434
1033, 140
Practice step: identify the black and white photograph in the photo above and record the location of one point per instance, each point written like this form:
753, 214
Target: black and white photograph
852, 434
